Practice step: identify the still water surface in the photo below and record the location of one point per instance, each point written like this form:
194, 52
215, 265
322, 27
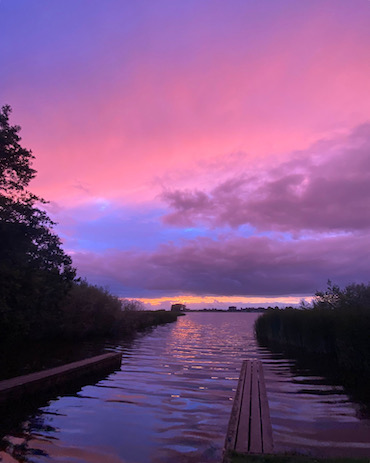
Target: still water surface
172, 398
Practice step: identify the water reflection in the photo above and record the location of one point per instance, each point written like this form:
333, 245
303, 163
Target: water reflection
172, 399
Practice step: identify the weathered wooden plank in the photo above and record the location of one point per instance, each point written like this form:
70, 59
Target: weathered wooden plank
250, 428
267, 441
242, 438
255, 444
42, 381
231, 434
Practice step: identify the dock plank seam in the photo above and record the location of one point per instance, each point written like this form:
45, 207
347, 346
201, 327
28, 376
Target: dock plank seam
250, 429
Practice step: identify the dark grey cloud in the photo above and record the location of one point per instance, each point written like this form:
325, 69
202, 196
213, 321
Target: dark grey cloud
252, 266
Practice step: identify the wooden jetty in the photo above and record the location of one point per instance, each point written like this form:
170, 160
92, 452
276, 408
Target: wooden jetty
250, 428
32, 384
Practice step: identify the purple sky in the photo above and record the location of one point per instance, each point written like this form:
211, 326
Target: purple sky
198, 151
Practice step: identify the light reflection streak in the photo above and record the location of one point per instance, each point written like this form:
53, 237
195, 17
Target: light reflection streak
174, 395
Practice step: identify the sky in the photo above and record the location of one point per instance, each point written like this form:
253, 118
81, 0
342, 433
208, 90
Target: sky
202, 151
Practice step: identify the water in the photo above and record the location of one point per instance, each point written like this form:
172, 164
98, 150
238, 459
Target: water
172, 399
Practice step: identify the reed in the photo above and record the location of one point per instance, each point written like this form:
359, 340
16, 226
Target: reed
336, 326
239, 458
91, 311
86, 312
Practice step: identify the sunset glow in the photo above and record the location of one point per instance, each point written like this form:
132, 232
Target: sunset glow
219, 302
215, 149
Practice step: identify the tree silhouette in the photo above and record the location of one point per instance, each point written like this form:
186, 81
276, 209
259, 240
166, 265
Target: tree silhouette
35, 272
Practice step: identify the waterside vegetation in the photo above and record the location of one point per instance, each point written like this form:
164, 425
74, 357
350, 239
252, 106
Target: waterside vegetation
335, 328
89, 311
40, 296
240, 458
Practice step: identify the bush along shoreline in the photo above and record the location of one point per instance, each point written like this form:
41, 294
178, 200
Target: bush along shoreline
40, 297
87, 312
87, 323
334, 331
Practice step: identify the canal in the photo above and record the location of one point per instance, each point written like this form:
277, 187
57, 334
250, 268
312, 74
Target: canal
172, 398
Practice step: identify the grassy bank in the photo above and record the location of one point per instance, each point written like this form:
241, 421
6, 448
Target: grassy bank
238, 458
335, 328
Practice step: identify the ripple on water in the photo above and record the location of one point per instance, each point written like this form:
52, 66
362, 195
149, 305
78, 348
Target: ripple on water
172, 399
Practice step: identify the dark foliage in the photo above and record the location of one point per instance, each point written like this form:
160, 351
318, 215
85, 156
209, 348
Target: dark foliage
337, 326
89, 311
132, 304
39, 296
35, 273
15, 161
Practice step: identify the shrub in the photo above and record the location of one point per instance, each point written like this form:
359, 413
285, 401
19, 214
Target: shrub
337, 326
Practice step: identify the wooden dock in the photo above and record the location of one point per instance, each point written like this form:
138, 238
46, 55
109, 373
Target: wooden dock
33, 384
250, 428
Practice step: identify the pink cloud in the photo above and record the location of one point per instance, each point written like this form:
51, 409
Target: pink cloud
136, 99
323, 189
163, 87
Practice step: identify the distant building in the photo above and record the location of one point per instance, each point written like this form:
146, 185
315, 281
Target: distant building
232, 308
178, 308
